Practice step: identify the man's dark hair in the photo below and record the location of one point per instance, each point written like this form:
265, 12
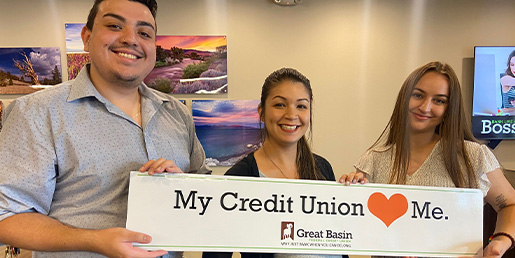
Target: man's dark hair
151, 4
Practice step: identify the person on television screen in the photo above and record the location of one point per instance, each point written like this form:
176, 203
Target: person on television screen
285, 110
508, 80
428, 142
66, 152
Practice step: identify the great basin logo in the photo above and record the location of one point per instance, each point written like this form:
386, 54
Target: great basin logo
287, 230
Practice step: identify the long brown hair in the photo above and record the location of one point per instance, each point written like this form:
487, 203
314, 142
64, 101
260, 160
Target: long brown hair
306, 166
453, 130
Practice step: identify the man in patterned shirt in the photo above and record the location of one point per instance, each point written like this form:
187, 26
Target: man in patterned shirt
66, 152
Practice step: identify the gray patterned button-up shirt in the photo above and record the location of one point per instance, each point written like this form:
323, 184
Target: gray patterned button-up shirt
67, 151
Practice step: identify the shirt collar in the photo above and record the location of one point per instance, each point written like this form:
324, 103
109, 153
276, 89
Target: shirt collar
82, 87
155, 97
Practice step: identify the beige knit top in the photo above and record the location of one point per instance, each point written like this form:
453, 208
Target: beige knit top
377, 163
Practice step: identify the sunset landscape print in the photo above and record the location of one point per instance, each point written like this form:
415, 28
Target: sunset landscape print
227, 129
190, 64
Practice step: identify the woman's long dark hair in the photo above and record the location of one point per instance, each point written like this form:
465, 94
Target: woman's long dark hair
306, 167
508, 69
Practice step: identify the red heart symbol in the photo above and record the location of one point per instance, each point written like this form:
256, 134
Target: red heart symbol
387, 210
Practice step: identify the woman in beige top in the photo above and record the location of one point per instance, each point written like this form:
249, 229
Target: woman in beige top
428, 142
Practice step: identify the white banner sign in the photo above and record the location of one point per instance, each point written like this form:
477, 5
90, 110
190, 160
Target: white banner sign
219, 213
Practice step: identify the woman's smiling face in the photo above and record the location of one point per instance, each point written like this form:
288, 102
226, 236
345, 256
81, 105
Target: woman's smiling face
428, 102
287, 112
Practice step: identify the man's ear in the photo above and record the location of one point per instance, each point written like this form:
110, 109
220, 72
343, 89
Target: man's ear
85, 34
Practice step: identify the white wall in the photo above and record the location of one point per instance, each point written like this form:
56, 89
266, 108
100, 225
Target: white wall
355, 52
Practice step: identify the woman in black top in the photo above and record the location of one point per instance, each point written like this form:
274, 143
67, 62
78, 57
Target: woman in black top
285, 111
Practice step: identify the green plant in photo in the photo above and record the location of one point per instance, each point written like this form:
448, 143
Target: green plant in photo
195, 70
162, 85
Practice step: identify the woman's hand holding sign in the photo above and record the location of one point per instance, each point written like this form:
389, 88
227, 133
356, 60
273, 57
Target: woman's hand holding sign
353, 178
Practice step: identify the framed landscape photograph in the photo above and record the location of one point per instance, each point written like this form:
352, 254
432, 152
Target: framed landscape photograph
190, 65
76, 57
227, 129
26, 70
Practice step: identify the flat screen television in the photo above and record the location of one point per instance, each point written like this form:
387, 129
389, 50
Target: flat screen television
493, 104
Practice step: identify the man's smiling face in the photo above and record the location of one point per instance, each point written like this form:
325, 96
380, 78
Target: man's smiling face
122, 43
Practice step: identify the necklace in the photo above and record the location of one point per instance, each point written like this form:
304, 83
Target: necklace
274, 163
139, 112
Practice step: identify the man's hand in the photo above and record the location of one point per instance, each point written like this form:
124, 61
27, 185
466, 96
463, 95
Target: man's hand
37, 232
117, 242
159, 166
